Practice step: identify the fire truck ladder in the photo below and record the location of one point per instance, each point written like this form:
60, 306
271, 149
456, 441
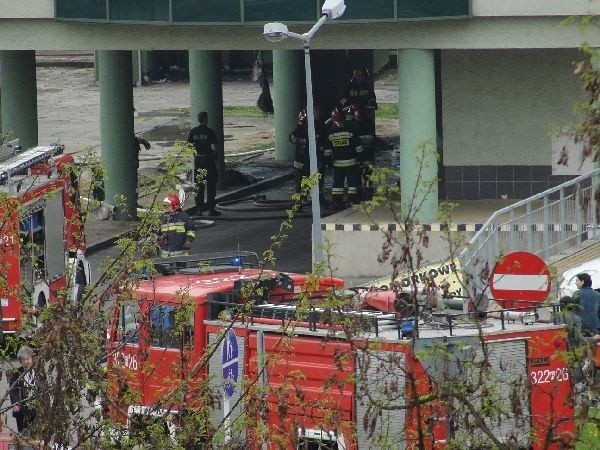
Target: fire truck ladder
14, 163
368, 321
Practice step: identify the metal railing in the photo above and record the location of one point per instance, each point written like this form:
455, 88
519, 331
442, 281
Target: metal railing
546, 224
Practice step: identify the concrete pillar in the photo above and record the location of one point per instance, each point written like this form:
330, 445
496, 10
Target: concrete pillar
147, 62
116, 130
206, 94
136, 68
289, 93
19, 96
416, 105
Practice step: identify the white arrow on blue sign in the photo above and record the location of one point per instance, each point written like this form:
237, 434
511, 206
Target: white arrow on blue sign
230, 363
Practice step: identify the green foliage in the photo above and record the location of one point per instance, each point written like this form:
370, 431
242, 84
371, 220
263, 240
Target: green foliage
387, 111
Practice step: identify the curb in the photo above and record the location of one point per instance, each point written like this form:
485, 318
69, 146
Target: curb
110, 241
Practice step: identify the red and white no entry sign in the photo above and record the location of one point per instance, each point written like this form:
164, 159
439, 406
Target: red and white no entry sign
520, 276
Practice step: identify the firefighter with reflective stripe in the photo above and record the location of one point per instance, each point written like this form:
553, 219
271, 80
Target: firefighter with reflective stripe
366, 133
299, 137
177, 229
359, 89
343, 145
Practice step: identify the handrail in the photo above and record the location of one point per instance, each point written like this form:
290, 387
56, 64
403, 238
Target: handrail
563, 220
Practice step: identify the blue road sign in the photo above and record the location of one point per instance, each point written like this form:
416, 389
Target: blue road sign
230, 363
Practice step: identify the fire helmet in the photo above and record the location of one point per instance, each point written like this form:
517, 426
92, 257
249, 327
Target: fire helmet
173, 200
337, 115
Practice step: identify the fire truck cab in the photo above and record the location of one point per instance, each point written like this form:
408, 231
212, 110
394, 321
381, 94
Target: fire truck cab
145, 341
41, 242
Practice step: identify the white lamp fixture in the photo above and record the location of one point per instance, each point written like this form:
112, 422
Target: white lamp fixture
333, 8
275, 32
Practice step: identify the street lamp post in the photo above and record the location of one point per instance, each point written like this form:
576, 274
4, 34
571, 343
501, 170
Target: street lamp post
275, 32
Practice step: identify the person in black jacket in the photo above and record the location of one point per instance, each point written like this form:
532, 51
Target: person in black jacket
204, 141
344, 147
177, 229
22, 386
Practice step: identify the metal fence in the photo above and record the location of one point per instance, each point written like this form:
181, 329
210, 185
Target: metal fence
546, 224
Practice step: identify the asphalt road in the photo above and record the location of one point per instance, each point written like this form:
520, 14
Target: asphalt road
250, 234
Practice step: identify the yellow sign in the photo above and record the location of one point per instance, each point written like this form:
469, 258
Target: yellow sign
440, 273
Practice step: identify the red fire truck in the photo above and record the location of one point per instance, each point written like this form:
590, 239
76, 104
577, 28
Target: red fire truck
325, 387
42, 244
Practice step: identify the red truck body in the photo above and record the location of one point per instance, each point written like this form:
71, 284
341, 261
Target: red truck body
318, 380
42, 243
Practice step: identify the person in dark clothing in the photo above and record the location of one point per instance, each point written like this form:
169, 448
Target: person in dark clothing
588, 301
344, 147
299, 137
204, 141
359, 89
139, 142
22, 390
177, 231
586, 307
366, 133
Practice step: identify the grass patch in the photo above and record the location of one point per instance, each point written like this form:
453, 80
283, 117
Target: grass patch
387, 111
384, 111
246, 111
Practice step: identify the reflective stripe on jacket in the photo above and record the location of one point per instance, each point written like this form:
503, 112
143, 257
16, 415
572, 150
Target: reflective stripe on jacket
175, 230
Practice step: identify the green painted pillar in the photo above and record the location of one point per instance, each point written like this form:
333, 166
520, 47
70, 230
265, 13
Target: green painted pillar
289, 93
147, 62
19, 96
116, 130
206, 94
416, 105
136, 68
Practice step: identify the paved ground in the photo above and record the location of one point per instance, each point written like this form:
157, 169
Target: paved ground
69, 111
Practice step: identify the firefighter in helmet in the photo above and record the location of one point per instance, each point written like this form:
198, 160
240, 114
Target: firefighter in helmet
366, 133
299, 137
344, 147
359, 89
177, 229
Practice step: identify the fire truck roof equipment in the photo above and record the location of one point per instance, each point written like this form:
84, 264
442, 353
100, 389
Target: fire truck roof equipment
204, 262
13, 163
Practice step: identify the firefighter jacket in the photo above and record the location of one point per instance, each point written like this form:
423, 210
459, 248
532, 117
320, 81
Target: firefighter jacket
343, 145
203, 138
299, 137
176, 233
366, 134
362, 92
